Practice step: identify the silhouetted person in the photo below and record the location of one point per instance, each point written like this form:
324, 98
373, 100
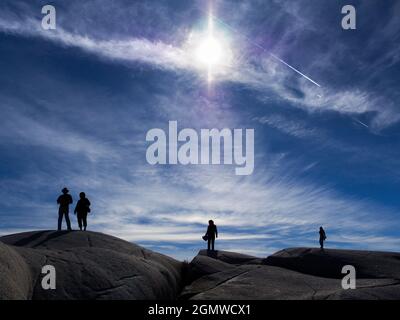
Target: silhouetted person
322, 237
82, 209
64, 201
211, 233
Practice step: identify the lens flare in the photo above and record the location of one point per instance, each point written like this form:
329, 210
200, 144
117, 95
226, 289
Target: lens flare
209, 52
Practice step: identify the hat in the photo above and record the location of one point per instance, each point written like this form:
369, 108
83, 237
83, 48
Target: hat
65, 190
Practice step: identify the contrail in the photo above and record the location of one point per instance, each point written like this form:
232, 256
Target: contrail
362, 123
264, 49
294, 69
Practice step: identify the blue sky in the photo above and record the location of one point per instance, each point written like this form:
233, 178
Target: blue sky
77, 102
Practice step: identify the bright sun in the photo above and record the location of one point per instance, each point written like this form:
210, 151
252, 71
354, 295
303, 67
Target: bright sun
209, 52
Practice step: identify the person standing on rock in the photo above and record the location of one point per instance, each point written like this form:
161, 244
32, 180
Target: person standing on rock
64, 201
322, 237
211, 234
81, 210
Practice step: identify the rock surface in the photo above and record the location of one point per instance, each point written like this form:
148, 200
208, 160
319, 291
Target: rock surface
15, 278
328, 263
299, 273
92, 265
88, 265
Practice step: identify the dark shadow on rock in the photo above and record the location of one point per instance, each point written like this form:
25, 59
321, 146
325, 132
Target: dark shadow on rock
25, 241
31, 238
52, 235
231, 257
212, 254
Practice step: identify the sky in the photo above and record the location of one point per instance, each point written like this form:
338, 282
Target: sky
76, 104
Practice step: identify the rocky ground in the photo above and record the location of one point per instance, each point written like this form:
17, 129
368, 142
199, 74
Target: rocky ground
92, 265
88, 265
298, 273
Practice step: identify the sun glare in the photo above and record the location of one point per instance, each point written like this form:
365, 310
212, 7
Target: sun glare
209, 52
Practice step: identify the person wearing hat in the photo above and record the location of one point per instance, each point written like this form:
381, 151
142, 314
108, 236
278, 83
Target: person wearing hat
64, 201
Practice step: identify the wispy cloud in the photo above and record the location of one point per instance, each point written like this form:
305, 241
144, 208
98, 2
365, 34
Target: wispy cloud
262, 73
168, 207
24, 131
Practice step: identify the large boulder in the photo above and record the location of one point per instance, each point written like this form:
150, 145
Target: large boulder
329, 262
210, 262
88, 265
15, 276
92, 265
307, 278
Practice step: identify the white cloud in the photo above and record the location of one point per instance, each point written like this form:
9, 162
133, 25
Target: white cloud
20, 129
263, 74
176, 203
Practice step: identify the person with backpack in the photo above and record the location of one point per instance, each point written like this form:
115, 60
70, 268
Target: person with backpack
210, 235
81, 210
